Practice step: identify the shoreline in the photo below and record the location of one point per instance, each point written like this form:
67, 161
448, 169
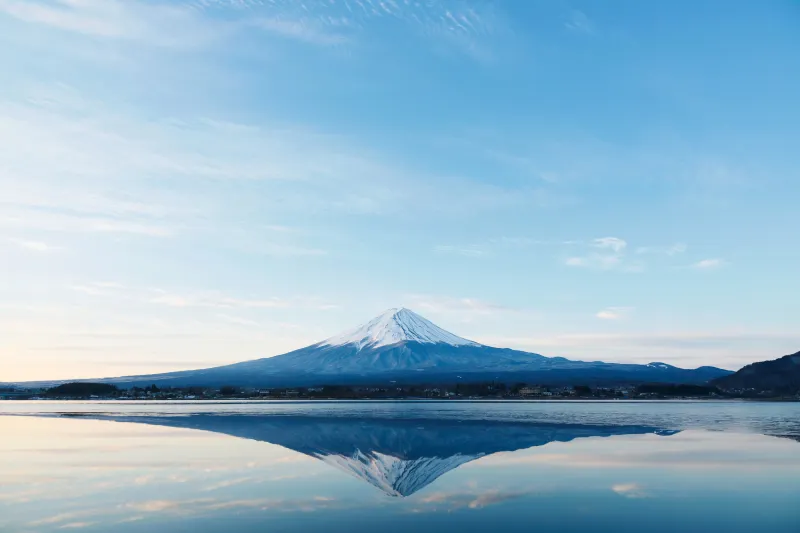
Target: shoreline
398, 400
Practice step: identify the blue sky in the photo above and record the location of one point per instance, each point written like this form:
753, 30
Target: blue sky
185, 184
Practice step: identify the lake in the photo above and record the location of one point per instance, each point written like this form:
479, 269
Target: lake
399, 467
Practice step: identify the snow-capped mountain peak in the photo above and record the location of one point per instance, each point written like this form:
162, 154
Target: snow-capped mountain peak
394, 326
393, 475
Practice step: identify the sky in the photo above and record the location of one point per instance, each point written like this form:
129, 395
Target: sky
193, 183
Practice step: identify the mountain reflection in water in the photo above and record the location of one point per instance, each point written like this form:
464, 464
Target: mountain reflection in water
397, 456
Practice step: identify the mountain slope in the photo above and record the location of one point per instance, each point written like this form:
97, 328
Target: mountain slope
779, 376
401, 346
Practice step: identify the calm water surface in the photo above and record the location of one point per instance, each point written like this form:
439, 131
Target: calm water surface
352, 466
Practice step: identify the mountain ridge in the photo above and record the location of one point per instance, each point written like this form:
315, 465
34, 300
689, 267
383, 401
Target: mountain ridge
400, 346
780, 375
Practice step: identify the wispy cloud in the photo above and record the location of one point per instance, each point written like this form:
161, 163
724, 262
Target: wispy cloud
716, 450
158, 24
276, 248
613, 243
498, 244
495, 497
201, 506
526, 165
464, 310
63, 517
471, 499
521, 242
76, 140
75, 166
467, 27
213, 300
35, 246
682, 348
577, 262
158, 506
446, 304
579, 22
228, 483
601, 262
675, 340
26, 217
196, 299
677, 248
614, 313
709, 264
629, 490
80, 165
304, 30
241, 321
472, 250
602, 253
611, 255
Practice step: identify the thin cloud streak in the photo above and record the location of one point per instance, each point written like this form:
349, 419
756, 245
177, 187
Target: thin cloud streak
153, 24
209, 299
709, 264
686, 349
445, 304
466, 251
300, 30
629, 490
579, 22
35, 246
614, 313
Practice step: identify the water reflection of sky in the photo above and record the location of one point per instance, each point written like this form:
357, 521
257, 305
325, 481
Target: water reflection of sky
101, 475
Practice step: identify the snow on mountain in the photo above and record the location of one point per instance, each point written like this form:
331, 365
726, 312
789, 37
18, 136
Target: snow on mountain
394, 326
395, 476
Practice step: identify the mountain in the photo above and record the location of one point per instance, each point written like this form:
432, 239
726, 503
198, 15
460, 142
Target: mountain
398, 456
400, 346
781, 376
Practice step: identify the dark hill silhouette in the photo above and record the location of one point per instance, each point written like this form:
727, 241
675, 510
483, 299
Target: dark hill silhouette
780, 376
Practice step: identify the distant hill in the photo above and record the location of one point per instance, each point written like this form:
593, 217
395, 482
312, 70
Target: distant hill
82, 389
781, 376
